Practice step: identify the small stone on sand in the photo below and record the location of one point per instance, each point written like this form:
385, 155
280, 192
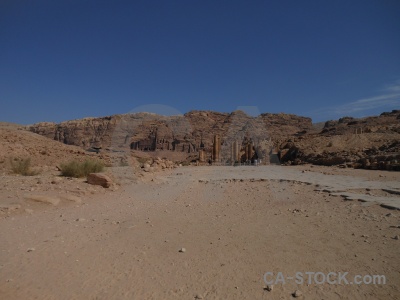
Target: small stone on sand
297, 294
269, 288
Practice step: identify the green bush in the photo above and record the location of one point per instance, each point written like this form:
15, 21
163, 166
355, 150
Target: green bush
22, 167
81, 169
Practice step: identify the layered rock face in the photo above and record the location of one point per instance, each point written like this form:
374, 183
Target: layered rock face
86, 133
384, 123
370, 143
185, 133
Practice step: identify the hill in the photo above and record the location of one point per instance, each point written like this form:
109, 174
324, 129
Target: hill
371, 142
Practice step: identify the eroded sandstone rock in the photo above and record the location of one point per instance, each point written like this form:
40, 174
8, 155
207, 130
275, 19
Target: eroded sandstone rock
99, 179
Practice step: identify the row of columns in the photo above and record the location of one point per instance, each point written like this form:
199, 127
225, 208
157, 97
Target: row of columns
216, 150
235, 152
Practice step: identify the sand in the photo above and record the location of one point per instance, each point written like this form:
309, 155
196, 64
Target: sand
234, 223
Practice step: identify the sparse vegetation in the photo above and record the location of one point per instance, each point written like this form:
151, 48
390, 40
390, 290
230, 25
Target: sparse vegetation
22, 167
81, 169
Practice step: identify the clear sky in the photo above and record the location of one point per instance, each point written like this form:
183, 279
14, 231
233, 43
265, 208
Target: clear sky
68, 59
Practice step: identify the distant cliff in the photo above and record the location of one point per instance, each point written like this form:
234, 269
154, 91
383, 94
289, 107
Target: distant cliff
185, 133
371, 142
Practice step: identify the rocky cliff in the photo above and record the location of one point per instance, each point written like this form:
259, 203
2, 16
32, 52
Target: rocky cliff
371, 143
185, 133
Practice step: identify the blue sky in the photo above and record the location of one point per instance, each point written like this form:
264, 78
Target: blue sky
62, 60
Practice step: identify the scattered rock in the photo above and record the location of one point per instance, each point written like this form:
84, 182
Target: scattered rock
56, 180
30, 250
10, 207
297, 294
182, 250
269, 288
99, 179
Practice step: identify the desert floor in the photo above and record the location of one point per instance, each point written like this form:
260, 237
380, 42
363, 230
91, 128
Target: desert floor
234, 223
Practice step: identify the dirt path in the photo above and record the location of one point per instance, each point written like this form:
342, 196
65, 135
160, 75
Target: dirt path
235, 224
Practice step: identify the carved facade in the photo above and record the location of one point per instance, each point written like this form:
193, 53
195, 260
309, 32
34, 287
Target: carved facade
154, 143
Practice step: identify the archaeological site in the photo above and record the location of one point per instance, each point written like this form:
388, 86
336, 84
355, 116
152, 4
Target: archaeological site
204, 205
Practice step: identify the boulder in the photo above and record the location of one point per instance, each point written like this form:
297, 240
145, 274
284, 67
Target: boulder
99, 179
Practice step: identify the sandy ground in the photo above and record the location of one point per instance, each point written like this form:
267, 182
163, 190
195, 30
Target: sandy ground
235, 223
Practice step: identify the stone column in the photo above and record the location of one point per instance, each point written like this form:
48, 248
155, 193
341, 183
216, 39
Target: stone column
232, 154
235, 152
202, 155
216, 148
246, 152
250, 150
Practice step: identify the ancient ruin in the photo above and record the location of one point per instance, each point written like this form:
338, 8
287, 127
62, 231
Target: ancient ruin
370, 142
216, 148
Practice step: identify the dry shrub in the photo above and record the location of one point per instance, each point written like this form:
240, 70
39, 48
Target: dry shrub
22, 167
81, 169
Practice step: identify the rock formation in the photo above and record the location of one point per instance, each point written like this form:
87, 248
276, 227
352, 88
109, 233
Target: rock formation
99, 179
370, 142
186, 133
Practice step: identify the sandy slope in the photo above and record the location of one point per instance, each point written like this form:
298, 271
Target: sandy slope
45, 153
235, 224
